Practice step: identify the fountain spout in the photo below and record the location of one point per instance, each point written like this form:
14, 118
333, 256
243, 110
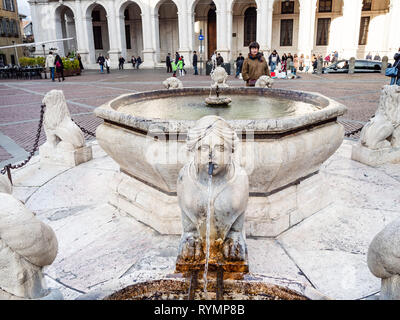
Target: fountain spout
210, 168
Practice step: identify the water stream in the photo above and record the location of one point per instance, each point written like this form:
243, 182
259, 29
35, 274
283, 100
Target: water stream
208, 226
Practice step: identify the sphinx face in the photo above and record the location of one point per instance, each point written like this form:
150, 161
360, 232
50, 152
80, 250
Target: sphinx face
212, 149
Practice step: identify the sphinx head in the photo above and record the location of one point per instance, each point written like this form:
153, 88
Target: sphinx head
213, 140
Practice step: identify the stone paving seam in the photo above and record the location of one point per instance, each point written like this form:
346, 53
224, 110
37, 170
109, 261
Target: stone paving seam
64, 284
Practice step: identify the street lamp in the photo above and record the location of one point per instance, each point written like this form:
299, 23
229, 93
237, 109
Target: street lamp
44, 55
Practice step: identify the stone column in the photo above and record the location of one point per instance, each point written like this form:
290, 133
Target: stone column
36, 27
90, 53
351, 23
306, 27
185, 31
264, 26
113, 36
120, 24
223, 16
81, 33
150, 37
393, 33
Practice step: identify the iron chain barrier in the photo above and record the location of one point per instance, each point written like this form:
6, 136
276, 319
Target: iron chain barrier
7, 168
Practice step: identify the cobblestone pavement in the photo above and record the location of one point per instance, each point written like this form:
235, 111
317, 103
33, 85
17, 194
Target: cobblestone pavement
20, 100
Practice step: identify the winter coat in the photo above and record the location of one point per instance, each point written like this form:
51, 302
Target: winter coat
278, 59
220, 60
174, 66
180, 64
50, 60
254, 67
195, 60
168, 61
100, 60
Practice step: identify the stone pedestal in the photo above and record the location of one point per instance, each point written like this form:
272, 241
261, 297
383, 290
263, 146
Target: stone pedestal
352, 65
385, 60
266, 215
375, 157
65, 157
390, 288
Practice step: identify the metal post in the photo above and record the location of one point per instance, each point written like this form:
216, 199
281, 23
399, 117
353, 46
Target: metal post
201, 53
16, 54
44, 55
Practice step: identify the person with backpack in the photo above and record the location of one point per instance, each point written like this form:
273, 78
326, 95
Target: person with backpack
100, 61
59, 68
254, 66
174, 67
396, 78
180, 66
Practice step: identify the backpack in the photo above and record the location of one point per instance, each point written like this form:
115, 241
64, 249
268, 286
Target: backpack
58, 64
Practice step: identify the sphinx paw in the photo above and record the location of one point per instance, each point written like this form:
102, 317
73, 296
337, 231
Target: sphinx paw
234, 248
191, 248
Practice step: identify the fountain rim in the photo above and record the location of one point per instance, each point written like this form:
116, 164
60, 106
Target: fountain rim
330, 110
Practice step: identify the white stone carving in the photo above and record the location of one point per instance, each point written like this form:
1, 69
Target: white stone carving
173, 83
380, 137
384, 260
219, 77
65, 143
264, 81
26, 246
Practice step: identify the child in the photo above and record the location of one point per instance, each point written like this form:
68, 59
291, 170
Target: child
180, 66
174, 67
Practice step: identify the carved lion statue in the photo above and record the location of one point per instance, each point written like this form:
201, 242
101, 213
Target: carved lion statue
173, 83
219, 77
264, 81
61, 131
212, 143
383, 130
26, 245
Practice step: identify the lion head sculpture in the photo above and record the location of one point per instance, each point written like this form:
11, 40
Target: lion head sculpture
389, 104
56, 109
173, 83
219, 77
264, 81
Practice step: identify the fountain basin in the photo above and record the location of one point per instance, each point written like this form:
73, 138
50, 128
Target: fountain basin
145, 134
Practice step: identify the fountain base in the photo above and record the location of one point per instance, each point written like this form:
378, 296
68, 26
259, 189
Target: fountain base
218, 101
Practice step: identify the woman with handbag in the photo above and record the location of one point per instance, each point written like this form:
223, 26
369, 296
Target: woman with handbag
394, 72
254, 66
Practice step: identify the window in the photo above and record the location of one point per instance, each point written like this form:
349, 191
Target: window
362, 40
323, 31
7, 27
250, 26
367, 5
126, 14
15, 28
98, 41
286, 32
287, 7
325, 6
8, 5
2, 32
128, 36
95, 15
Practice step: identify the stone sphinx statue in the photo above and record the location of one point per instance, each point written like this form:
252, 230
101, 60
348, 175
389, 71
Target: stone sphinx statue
219, 77
212, 143
380, 138
383, 130
172, 83
26, 246
65, 143
384, 260
264, 82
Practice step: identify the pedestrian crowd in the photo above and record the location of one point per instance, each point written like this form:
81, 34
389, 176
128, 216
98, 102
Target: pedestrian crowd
56, 66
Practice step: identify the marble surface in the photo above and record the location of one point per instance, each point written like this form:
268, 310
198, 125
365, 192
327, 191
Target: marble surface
99, 245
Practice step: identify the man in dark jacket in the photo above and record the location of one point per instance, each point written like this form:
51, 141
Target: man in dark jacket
195, 63
168, 63
239, 64
396, 63
121, 63
220, 60
273, 60
100, 61
177, 56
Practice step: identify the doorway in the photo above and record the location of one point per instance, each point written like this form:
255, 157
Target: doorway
211, 32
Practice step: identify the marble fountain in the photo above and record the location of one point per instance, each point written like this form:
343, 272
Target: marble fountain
216, 175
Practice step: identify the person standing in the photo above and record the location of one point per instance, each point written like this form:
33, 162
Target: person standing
121, 63
220, 60
168, 63
174, 68
59, 68
138, 62
327, 60
177, 56
214, 60
301, 62
239, 65
50, 64
107, 63
284, 63
180, 66
100, 61
396, 79
196, 73
289, 63
295, 65
183, 65
254, 66
273, 60
80, 62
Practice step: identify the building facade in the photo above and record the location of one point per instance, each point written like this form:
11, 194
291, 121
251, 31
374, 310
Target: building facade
153, 28
10, 32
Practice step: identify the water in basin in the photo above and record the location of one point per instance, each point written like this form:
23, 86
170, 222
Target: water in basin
242, 107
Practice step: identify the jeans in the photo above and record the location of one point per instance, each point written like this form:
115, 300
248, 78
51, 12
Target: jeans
395, 80
101, 68
52, 72
195, 70
273, 66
